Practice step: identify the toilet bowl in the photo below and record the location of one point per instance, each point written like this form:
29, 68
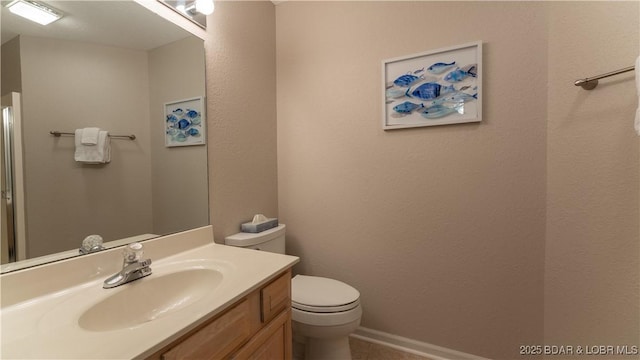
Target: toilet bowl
324, 311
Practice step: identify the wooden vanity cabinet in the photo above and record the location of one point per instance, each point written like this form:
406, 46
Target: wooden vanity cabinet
256, 327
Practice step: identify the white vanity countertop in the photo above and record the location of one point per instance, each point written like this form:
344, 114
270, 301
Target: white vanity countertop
47, 327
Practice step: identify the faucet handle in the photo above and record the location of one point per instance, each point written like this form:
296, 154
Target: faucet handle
91, 244
133, 252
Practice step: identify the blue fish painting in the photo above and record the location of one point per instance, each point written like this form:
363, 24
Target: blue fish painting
456, 75
172, 119
183, 124
394, 93
407, 107
192, 113
430, 90
460, 97
460, 74
439, 68
471, 69
438, 111
406, 80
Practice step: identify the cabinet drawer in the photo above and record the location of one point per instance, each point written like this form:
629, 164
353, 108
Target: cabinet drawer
217, 339
275, 297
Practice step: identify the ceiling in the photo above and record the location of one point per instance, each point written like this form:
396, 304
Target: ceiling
112, 22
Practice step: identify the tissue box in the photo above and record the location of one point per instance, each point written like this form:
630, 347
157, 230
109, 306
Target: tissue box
256, 227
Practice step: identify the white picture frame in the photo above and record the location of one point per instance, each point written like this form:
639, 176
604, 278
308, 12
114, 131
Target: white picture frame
437, 87
185, 122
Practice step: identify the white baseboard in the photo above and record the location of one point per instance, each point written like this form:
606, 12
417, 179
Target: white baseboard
411, 346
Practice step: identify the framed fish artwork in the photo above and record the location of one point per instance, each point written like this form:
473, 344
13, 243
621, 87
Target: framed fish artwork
184, 122
437, 87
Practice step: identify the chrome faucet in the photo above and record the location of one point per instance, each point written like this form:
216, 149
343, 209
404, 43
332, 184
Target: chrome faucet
133, 267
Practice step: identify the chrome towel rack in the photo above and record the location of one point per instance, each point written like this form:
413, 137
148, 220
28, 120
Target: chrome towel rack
591, 82
60, 133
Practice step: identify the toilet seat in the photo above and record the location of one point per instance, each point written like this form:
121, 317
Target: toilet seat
325, 309
328, 318
322, 295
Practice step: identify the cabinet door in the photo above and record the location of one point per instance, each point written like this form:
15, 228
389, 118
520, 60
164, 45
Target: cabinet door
218, 338
275, 297
272, 342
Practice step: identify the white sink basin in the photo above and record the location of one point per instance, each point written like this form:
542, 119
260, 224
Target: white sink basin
150, 298
61, 311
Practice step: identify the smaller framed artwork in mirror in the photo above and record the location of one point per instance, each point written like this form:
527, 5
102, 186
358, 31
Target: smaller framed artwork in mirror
437, 87
185, 122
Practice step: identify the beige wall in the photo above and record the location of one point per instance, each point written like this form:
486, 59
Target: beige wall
446, 231
11, 74
591, 263
241, 89
442, 228
66, 198
179, 179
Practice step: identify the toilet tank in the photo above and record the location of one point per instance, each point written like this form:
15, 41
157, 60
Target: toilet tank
271, 240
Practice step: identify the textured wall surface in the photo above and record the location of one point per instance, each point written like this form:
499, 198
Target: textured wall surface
449, 232
592, 263
441, 228
241, 112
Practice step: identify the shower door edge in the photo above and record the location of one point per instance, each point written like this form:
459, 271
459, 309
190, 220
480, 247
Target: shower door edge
13, 100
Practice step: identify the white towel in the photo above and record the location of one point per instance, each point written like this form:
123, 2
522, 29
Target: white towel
93, 154
90, 136
637, 122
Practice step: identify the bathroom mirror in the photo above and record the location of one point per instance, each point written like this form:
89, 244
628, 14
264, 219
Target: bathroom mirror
112, 65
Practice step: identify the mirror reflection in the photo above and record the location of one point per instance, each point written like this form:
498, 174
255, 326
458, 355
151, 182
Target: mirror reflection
108, 65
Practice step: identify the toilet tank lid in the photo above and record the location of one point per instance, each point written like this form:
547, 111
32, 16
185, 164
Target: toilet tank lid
320, 291
249, 239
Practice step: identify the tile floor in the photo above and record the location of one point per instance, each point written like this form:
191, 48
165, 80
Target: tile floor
364, 350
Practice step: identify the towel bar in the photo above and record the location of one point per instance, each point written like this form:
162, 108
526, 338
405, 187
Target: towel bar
592, 82
60, 133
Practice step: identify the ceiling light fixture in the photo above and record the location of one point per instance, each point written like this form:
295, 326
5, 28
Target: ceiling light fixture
205, 7
34, 11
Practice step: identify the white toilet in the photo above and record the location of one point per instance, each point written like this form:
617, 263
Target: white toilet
324, 311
